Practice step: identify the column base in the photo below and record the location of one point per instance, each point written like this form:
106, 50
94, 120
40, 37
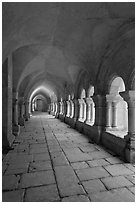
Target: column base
16, 130
21, 121
26, 117
130, 148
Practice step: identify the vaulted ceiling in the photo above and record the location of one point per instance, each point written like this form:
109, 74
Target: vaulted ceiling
52, 42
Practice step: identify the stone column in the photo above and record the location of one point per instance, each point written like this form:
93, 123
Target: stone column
81, 101
64, 108
72, 109
108, 112
114, 115
99, 117
15, 126
89, 111
21, 114
129, 97
68, 109
57, 109
76, 109
27, 114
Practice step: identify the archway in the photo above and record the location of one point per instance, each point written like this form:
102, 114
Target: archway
117, 115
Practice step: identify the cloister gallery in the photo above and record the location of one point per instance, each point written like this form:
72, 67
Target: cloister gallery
74, 61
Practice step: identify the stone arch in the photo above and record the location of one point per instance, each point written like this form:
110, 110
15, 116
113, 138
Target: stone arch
117, 115
90, 91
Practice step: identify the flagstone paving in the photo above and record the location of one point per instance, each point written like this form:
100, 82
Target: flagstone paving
51, 162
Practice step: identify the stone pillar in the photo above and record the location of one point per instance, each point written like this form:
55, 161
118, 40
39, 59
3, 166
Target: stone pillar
114, 111
81, 107
64, 108
26, 114
89, 111
99, 100
15, 126
72, 109
129, 97
57, 109
108, 114
68, 109
76, 109
21, 114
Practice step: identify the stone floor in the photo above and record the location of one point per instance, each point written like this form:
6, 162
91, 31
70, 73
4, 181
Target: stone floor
53, 162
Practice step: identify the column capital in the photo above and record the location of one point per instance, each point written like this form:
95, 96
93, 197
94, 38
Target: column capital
98, 99
113, 98
88, 100
81, 100
129, 96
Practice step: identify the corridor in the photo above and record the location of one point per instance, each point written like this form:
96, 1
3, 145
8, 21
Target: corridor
50, 161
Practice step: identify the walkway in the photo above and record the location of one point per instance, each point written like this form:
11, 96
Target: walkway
52, 162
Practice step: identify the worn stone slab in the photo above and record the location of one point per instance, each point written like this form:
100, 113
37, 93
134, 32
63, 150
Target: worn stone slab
4, 167
76, 155
114, 160
98, 162
130, 178
130, 166
116, 182
67, 181
20, 159
41, 157
10, 182
55, 148
38, 150
132, 189
37, 179
77, 198
92, 173
59, 159
18, 166
117, 195
99, 154
15, 171
118, 169
33, 146
42, 194
88, 149
79, 165
40, 166
93, 186
13, 196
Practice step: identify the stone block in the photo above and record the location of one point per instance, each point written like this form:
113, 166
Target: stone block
40, 166
92, 173
67, 181
59, 159
76, 155
93, 186
116, 182
42, 194
118, 169
41, 157
38, 150
88, 149
99, 154
117, 195
98, 162
37, 179
10, 182
132, 189
114, 160
130, 166
13, 196
77, 198
131, 178
79, 165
